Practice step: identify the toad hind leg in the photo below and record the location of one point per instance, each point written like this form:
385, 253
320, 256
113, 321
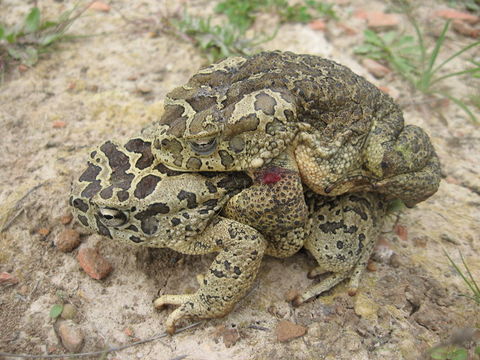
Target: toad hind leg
343, 233
240, 250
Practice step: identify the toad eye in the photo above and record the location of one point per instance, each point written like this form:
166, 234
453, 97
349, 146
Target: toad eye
112, 217
204, 147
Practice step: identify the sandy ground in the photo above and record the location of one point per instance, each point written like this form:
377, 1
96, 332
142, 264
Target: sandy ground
110, 86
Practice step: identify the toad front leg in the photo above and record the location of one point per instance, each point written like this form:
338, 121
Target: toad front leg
240, 250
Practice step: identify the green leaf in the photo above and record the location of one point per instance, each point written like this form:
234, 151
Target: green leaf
477, 350
31, 56
55, 311
459, 354
15, 53
11, 38
2, 32
50, 38
32, 21
439, 353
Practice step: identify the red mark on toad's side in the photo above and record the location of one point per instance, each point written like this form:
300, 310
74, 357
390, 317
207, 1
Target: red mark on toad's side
271, 176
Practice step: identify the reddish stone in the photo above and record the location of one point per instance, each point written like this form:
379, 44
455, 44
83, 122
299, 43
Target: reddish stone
377, 19
347, 29
401, 231
458, 15
59, 124
43, 231
375, 68
66, 219
7, 278
94, 264
67, 240
99, 6
287, 330
466, 29
318, 25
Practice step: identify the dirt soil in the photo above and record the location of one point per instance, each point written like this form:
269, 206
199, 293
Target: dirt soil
112, 85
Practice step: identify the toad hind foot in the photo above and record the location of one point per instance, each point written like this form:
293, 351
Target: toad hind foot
343, 233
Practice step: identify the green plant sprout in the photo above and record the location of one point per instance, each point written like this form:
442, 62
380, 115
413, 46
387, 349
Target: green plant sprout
217, 41
229, 38
467, 278
26, 41
413, 61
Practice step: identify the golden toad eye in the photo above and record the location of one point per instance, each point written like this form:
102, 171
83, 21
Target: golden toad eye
204, 147
112, 217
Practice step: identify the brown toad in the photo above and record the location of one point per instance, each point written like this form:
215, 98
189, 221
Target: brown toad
339, 130
125, 195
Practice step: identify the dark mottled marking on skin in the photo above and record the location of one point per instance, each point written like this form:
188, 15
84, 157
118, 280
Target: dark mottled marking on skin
146, 186
235, 181
237, 270
219, 242
175, 221
135, 239
80, 205
186, 215
351, 230
339, 244
188, 228
123, 195
91, 190
232, 232
91, 173
212, 189
275, 127
194, 163
244, 124
361, 239
236, 144
190, 197
199, 103
132, 228
363, 215
83, 220
149, 225
102, 229
254, 253
227, 264
93, 154
289, 114
152, 210
266, 103
173, 146
218, 273
141, 147
225, 158
210, 203
331, 227
107, 193
119, 163
340, 257
164, 170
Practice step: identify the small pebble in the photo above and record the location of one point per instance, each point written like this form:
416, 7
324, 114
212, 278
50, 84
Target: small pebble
59, 124
371, 266
291, 294
230, 337
68, 311
71, 335
43, 231
67, 240
94, 264
401, 231
287, 330
365, 307
395, 261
